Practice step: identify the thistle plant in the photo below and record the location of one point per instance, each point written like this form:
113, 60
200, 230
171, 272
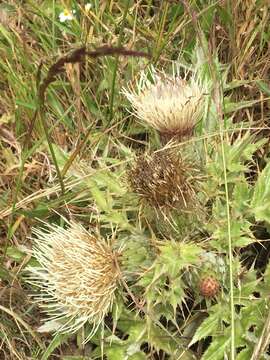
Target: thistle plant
187, 275
77, 276
173, 105
163, 180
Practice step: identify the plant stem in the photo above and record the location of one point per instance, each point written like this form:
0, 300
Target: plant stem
119, 44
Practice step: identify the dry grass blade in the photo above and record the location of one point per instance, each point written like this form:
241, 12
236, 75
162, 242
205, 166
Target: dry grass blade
17, 318
263, 342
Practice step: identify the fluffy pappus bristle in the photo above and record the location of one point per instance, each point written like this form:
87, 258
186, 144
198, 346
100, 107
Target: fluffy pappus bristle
77, 275
171, 104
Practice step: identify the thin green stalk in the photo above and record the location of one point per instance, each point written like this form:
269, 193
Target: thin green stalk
161, 34
119, 44
229, 248
219, 98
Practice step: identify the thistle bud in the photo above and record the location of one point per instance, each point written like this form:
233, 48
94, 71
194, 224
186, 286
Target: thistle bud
209, 287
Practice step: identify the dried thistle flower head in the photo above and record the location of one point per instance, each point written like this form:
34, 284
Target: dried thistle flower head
170, 104
77, 276
162, 180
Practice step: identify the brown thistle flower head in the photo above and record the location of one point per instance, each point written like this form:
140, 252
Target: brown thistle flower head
77, 276
162, 180
170, 104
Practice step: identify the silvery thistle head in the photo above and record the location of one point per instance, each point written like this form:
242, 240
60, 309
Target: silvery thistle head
77, 276
171, 104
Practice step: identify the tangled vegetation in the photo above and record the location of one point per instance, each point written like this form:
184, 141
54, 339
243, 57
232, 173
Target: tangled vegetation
135, 180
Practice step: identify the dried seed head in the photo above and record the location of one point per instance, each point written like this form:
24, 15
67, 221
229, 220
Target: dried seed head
170, 104
162, 180
77, 276
209, 287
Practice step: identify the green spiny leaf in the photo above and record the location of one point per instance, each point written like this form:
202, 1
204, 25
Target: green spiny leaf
260, 203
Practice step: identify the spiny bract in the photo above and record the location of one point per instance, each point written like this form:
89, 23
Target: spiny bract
77, 276
162, 180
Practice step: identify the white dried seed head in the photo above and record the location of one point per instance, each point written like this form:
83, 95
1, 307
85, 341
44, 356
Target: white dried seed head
77, 276
170, 104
